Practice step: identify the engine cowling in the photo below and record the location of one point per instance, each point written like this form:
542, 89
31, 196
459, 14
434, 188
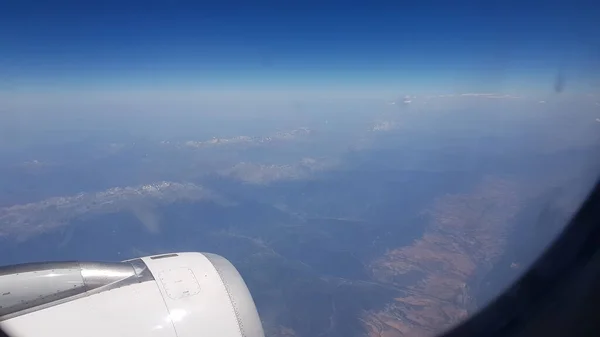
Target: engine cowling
182, 294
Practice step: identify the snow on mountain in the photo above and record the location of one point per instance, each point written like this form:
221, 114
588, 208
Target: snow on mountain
42, 216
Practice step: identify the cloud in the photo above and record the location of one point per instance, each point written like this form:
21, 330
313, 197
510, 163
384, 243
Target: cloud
384, 126
246, 140
39, 217
488, 95
501, 96
255, 173
477, 94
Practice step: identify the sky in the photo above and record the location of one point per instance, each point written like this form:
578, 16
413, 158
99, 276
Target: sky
245, 46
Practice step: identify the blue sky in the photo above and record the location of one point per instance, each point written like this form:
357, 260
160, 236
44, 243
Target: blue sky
296, 45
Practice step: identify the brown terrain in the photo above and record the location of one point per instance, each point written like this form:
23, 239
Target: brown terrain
465, 235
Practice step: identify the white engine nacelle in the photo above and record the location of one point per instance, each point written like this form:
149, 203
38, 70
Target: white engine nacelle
170, 295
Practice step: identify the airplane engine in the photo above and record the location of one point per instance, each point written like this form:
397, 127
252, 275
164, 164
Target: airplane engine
182, 294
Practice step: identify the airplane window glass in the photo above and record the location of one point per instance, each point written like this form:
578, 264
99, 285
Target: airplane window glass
370, 169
